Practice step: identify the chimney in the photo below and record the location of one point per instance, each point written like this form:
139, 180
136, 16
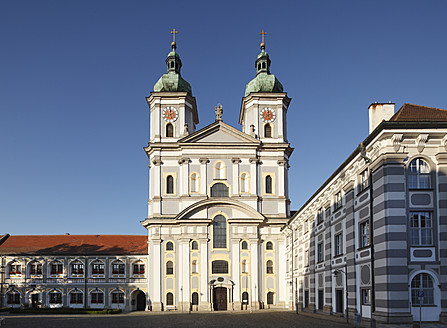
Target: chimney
379, 112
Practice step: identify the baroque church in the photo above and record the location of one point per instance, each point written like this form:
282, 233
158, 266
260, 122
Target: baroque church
218, 196
370, 242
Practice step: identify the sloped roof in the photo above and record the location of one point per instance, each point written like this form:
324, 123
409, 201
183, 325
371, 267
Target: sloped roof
75, 245
417, 113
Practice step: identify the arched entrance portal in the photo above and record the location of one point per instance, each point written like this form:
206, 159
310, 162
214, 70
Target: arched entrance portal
141, 301
220, 298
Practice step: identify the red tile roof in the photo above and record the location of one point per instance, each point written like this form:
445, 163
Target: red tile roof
75, 245
416, 113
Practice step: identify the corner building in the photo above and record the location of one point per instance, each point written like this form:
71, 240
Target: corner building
218, 197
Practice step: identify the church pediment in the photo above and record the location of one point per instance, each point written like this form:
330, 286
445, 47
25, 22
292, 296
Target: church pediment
219, 132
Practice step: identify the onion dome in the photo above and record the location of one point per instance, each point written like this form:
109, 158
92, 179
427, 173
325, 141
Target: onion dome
264, 81
172, 80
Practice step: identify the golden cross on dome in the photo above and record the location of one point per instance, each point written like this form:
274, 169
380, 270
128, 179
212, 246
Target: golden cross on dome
173, 32
262, 33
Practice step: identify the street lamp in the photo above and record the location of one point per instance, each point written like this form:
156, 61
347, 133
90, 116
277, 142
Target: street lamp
2, 281
335, 273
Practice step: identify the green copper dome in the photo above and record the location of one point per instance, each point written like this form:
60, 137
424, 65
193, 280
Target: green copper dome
172, 81
264, 81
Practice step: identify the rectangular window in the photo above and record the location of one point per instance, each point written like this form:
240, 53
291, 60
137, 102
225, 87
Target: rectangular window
328, 213
306, 226
320, 252
364, 234
306, 257
320, 216
57, 268
296, 262
421, 229
97, 268
36, 268
77, 268
76, 298
338, 245
366, 296
118, 298
363, 180
337, 203
117, 268
55, 298
97, 298
15, 269
219, 266
138, 269
13, 298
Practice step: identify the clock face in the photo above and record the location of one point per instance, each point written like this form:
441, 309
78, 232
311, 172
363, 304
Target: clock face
170, 114
268, 115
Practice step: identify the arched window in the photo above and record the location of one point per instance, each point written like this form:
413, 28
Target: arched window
97, 296
219, 170
244, 266
195, 298
169, 184
55, 297
245, 297
269, 246
268, 184
194, 182
269, 298
219, 190
169, 246
169, 267
77, 268
13, 297
117, 296
169, 299
194, 245
35, 268
118, 267
194, 266
267, 131
244, 182
269, 266
419, 174
76, 296
244, 245
169, 130
422, 282
220, 232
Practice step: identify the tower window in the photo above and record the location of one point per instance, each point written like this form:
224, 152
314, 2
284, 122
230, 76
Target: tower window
268, 185
194, 182
219, 232
195, 245
269, 266
169, 246
244, 182
269, 298
219, 266
195, 298
263, 65
169, 299
269, 246
172, 64
169, 267
267, 131
259, 66
169, 184
169, 130
244, 245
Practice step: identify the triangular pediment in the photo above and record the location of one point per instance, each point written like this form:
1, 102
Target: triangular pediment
219, 133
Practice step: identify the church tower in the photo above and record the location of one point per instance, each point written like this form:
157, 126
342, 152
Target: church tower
173, 108
264, 107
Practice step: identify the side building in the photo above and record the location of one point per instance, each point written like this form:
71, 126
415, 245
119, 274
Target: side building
372, 240
74, 271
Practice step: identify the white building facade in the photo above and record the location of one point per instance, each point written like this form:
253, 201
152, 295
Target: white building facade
218, 198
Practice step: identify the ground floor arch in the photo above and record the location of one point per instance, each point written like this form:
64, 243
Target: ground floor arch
138, 300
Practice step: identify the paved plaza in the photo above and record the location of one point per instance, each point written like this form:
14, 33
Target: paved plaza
274, 319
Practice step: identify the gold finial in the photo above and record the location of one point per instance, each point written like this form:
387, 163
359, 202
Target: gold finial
173, 44
262, 44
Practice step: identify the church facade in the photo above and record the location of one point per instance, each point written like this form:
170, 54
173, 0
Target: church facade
218, 197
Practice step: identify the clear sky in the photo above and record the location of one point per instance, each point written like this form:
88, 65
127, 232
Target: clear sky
74, 76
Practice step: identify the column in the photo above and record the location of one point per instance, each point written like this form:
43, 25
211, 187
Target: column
204, 304
155, 273
235, 183
184, 275
281, 260
155, 186
203, 177
235, 273
254, 268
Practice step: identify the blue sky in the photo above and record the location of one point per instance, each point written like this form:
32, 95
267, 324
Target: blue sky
74, 76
